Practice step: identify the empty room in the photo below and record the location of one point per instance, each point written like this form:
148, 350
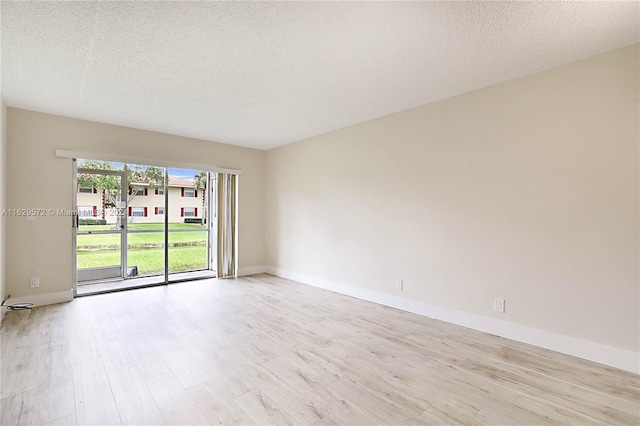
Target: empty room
319, 213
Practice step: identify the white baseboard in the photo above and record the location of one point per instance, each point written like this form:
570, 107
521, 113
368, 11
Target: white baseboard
251, 270
614, 357
44, 298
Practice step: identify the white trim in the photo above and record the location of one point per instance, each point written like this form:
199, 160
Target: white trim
236, 222
146, 161
74, 229
44, 298
614, 357
252, 270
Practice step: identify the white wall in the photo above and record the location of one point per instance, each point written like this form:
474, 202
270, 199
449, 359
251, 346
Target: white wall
527, 190
3, 201
39, 179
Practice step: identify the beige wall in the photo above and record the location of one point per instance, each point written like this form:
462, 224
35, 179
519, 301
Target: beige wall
527, 191
3, 200
39, 179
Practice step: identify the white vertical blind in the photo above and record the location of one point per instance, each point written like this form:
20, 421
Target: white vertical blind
227, 225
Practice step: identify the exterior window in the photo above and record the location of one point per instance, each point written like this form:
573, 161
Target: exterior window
138, 191
138, 211
159, 191
86, 190
159, 210
189, 192
189, 211
85, 211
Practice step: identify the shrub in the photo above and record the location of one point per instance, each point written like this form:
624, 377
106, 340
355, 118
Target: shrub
193, 220
92, 221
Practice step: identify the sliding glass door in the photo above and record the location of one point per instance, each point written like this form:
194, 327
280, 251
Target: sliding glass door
141, 225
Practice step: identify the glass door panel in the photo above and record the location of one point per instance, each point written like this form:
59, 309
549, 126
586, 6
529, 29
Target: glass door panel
188, 249
145, 221
99, 235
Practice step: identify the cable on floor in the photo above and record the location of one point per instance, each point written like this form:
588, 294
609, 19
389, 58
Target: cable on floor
16, 306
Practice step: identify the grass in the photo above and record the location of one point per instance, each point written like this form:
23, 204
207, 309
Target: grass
134, 240
187, 250
150, 261
144, 227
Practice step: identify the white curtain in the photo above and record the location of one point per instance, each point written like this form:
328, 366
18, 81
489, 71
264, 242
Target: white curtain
227, 225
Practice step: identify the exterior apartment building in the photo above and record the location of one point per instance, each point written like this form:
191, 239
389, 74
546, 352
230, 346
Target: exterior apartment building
147, 204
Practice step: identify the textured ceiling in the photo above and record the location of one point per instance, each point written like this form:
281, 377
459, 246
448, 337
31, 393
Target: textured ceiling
269, 73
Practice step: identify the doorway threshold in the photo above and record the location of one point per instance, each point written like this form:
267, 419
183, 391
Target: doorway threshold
90, 288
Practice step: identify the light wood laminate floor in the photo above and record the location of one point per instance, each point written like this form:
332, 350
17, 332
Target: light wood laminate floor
264, 350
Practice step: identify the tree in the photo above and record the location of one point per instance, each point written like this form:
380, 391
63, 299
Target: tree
200, 181
109, 185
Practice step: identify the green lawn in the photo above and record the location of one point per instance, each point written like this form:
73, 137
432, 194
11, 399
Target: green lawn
150, 261
143, 226
143, 239
187, 250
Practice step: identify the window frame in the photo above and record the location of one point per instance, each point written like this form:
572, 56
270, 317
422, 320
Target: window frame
135, 210
138, 191
190, 212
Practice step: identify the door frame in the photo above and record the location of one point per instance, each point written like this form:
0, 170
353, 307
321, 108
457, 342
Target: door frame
121, 220
210, 229
212, 221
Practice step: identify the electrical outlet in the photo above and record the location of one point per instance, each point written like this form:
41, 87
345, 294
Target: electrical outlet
399, 285
498, 305
34, 282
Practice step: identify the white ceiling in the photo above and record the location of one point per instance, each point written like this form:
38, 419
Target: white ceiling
269, 73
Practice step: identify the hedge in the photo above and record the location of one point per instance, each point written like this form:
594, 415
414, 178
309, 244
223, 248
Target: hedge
92, 221
193, 220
